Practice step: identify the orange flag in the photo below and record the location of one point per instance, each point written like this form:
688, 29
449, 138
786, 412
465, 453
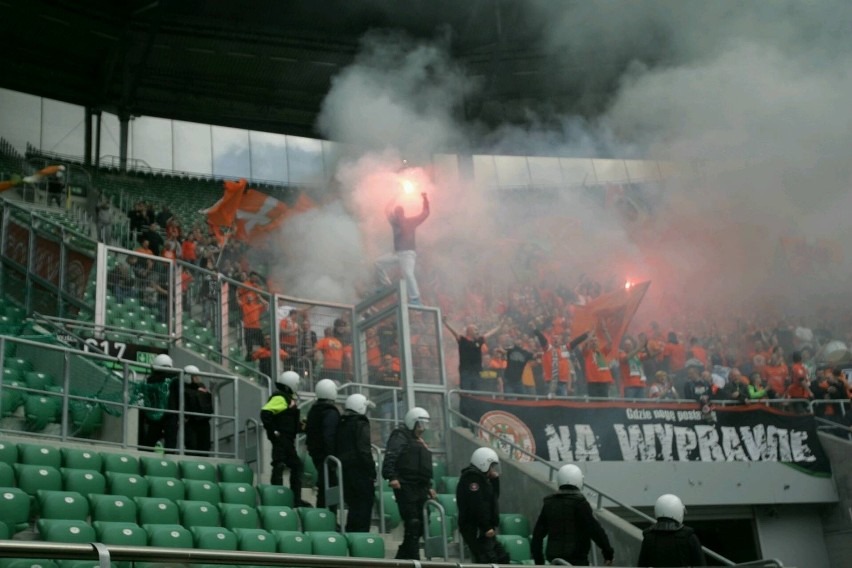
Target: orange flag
614, 309
223, 212
259, 214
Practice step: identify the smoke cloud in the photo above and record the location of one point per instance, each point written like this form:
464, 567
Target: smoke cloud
751, 98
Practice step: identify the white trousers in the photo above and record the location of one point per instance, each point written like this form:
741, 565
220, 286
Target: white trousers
405, 259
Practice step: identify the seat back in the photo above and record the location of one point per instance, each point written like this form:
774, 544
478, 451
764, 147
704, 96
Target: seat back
120, 463
83, 481
74, 458
255, 540
7, 475
235, 473
366, 545
158, 467
328, 543
518, 547
292, 542
191, 469
157, 511
31, 478
112, 508
129, 484
317, 519
275, 518
215, 538
8, 450
14, 507
238, 494
68, 505
166, 487
198, 514
238, 516
62, 530
38, 454
514, 524
168, 536
276, 495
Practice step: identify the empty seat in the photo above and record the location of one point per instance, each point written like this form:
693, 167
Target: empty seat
27, 563
38, 454
41, 410
448, 502
112, 508
235, 473
198, 514
514, 524
158, 467
81, 459
157, 511
61, 530
439, 470
38, 381
128, 534
278, 518
129, 484
191, 469
366, 545
435, 526
12, 398
31, 478
14, 508
255, 540
83, 481
119, 463
292, 542
166, 487
8, 450
238, 516
68, 505
214, 538
317, 519
169, 536
518, 548
7, 475
276, 495
200, 490
18, 364
239, 494
328, 543
449, 484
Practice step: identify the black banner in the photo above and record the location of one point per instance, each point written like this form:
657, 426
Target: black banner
561, 431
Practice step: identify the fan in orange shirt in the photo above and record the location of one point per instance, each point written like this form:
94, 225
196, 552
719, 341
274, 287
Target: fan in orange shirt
330, 349
675, 352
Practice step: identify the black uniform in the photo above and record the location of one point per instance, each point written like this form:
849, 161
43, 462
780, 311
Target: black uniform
670, 543
320, 429
197, 398
280, 417
408, 460
476, 497
359, 469
161, 392
567, 521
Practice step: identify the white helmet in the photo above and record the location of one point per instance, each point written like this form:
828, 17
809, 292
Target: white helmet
357, 403
483, 458
326, 389
669, 506
415, 415
570, 475
191, 370
163, 360
290, 379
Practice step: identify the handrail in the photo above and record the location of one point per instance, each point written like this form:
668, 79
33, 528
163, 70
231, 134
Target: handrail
552, 469
253, 423
379, 460
120, 553
428, 541
334, 497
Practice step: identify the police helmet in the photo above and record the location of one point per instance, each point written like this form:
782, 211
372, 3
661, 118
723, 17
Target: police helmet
163, 360
669, 506
289, 379
326, 389
484, 458
570, 475
415, 415
357, 403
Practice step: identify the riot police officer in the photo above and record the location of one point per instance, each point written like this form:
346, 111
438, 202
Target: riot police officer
356, 458
320, 430
669, 542
477, 494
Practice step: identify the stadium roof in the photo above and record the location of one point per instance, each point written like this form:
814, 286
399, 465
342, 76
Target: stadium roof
264, 64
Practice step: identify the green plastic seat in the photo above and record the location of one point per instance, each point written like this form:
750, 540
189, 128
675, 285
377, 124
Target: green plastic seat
238, 516
200, 490
158, 467
309, 474
518, 548
82, 564
328, 543
8, 450
449, 484
198, 514
277, 495
514, 524
128, 484
87, 417
31, 478
277, 518
83, 481
27, 563
62, 530
120, 463
10, 375
366, 545
18, 364
67, 505
239, 494
7, 476
126, 534
392, 515
12, 398
74, 458
40, 411
439, 470
168, 536
292, 542
214, 538
5, 532
39, 381
235, 473
317, 519
166, 487
112, 508
157, 511
448, 502
14, 508
435, 526
38, 454
201, 470
255, 540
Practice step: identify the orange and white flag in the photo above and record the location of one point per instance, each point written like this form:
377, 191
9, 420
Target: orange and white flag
614, 309
259, 214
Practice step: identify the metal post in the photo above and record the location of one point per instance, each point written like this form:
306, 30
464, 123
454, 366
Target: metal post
236, 418
181, 416
404, 335
125, 407
66, 388
334, 495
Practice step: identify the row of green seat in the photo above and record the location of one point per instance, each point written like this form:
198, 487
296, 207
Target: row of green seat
76, 458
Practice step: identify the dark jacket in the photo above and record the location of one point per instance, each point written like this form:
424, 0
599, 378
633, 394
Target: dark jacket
476, 497
407, 459
197, 398
280, 414
320, 429
694, 390
567, 521
670, 543
353, 445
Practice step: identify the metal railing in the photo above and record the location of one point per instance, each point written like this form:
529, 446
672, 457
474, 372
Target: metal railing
552, 469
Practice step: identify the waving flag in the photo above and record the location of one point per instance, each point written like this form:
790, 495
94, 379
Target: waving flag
614, 309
